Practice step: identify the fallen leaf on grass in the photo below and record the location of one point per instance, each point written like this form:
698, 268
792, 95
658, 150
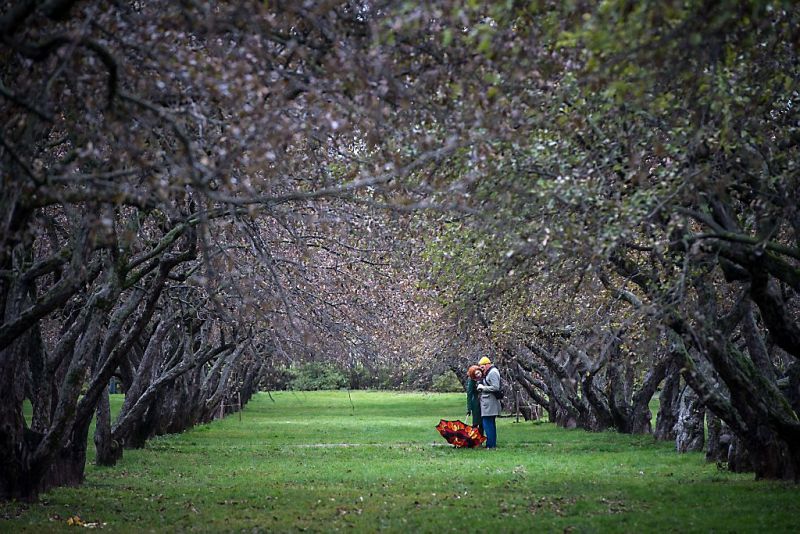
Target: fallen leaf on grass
614, 507
74, 521
555, 505
344, 511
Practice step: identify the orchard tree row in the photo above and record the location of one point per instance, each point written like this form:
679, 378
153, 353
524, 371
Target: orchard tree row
179, 213
636, 227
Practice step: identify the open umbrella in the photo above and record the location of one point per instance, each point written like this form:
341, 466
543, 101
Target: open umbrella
460, 434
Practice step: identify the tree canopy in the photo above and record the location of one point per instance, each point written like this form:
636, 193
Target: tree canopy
602, 195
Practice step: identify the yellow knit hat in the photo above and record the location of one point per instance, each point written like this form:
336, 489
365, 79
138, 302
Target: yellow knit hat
484, 361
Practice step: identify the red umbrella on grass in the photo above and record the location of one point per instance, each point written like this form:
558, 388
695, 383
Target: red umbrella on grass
460, 434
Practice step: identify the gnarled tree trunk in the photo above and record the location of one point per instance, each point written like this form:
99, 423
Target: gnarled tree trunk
667, 416
689, 428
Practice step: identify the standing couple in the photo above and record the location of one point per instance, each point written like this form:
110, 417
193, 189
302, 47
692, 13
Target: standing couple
483, 398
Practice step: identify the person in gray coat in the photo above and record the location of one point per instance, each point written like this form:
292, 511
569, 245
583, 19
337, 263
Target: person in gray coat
490, 404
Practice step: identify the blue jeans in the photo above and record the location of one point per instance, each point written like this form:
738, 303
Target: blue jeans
490, 430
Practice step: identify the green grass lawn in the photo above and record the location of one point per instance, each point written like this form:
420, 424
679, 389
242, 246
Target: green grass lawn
311, 461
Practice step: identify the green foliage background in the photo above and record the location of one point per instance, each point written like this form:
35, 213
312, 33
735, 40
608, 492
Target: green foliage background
447, 383
315, 376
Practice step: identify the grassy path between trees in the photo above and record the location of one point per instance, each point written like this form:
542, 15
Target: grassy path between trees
313, 461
